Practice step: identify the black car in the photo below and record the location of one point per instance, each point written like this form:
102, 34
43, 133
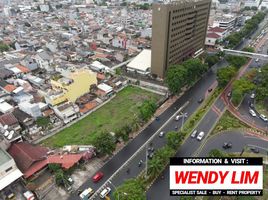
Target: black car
200, 100
254, 150
210, 89
227, 145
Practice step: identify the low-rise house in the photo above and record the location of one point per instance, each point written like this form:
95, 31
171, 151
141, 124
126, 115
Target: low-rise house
70, 86
44, 59
24, 119
32, 109
67, 112
29, 62
10, 120
104, 90
211, 39
5, 107
8, 170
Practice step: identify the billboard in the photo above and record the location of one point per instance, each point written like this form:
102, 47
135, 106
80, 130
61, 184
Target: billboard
216, 176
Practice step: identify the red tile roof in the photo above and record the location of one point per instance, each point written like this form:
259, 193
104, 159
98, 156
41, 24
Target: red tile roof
8, 119
31, 159
23, 68
216, 30
9, 88
213, 35
66, 161
26, 155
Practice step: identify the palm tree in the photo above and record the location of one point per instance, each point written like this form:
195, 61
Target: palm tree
154, 167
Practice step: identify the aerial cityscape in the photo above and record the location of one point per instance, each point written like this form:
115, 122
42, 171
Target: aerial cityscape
130, 99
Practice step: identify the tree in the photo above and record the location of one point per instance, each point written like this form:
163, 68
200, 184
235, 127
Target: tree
174, 139
3, 47
211, 60
224, 75
147, 109
132, 189
216, 153
262, 89
104, 143
249, 49
176, 78
164, 153
54, 167
60, 177
154, 167
236, 61
240, 88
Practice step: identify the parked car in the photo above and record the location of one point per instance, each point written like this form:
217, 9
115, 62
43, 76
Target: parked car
227, 145
210, 89
105, 192
229, 94
150, 155
29, 195
9, 194
98, 176
86, 193
200, 100
263, 117
194, 133
161, 134
200, 136
251, 105
252, 112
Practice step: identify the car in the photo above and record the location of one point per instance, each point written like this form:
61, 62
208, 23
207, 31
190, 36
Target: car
70, 180
252, 112
227, 145
157, 118
150, 149
251, 105
161, 134
29, 195
210, 89
254, 150
194, 133
104, 192
200, 136
176, 127
9, 194
257, 60
177, 118
229, 94
263, 117
86, 193
253, 95
98, 176
200, 100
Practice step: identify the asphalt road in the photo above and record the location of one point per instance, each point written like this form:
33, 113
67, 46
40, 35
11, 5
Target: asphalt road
192, 95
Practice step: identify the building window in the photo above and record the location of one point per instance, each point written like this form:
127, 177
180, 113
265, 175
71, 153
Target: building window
8, 169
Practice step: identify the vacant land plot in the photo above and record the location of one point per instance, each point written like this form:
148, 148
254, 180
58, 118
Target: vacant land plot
118, 112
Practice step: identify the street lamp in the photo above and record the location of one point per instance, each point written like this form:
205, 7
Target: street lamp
184, 115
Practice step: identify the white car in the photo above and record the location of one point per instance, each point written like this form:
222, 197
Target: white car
252, 112
161, 134
253, 95
263, 117
194, 133
200, 136
177, 118
104, 192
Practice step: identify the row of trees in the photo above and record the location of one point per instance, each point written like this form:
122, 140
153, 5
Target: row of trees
185, 74
250, 25
240, 88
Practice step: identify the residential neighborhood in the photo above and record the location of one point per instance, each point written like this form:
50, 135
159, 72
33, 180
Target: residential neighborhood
92, 92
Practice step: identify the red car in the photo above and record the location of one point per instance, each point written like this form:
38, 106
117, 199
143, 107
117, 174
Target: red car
97, 177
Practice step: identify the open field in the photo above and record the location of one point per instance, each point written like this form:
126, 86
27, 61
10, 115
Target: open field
120, 111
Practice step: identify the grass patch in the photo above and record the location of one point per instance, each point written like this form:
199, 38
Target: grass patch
228, 121
43, 121
260, 106
119, 112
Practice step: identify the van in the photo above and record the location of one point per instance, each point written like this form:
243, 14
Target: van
200, 136
104, 192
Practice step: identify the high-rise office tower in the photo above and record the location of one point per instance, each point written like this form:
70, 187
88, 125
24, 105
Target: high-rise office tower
179, 31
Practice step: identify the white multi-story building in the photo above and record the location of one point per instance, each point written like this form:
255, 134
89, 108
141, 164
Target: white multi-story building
8, 169
226, 21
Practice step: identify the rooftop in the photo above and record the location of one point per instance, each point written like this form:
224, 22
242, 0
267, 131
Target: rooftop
4, 157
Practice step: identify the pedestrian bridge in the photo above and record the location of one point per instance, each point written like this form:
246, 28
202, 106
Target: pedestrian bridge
244, 53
